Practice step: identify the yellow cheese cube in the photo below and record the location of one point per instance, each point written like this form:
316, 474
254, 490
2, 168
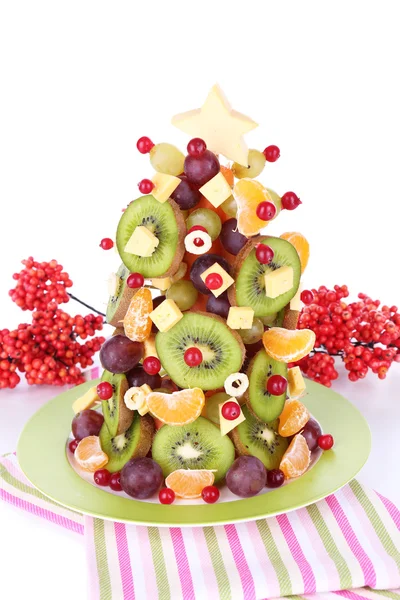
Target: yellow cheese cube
142, 242
226, 278
226, 425
162, 283
88, 400
278, 282
164, 185
217, 190
296, 303
296, 383
240, 317
166, 315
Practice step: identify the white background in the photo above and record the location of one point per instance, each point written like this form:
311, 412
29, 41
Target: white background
81, 81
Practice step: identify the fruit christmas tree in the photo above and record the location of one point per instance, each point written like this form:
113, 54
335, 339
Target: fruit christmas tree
198, 385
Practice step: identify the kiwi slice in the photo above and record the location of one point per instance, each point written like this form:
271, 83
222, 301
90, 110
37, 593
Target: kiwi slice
117, 416
119, 302
222, 348
134, 442
256, 438
167, 224
198, 445
265, 406
249, 287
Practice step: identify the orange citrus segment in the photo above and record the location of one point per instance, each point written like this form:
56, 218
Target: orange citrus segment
288, 345
89, 455
178, 408
137, 323
293, 418
228, 174
301, 244
188, 483
296, 459
248, 194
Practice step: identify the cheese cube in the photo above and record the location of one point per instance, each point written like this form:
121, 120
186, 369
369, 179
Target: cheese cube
240, 317
164, 185
296, 383
166, 315
142, 242
296, 303
278, 282
163, 283
226, 425
217, 190
89, 399
226, 278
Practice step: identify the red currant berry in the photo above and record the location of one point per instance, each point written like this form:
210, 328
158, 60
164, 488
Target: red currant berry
115, 482
264, 254
275, 478
230, 411
197, 228
325, 442
105, 390
166, 496
276, 385
213, 281
196, 147
266, 211
146, 186
271, 153
135, 280
290, 201
193, 357
73, 445
106, 243
306, 296
210, 494
151, 365
198, 242
102, 477
144, 145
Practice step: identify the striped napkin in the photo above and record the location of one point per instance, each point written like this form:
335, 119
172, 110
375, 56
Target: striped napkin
346, 545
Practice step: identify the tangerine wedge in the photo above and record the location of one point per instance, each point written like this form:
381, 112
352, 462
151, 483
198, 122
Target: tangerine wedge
228, 174
178, 408
248, 194
89, 455
301, 244
293, 418
288, 345
137, 322
187, 483
296, 459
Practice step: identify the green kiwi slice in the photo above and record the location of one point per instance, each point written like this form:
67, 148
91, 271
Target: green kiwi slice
119, 302
249, 287
265, 406
167, 224
222, 348
134, 442
256, 438
198, 445
117, 416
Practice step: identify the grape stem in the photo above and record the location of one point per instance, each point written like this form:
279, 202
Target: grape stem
84, 304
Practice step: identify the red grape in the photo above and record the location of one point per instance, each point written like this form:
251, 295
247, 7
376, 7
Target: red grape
201, 264
246, 477
138, 376
141, 478
311, 433
200, 169
186, 195
119, 354
219, 306
275, 478
87, 422
231, 239
73, 445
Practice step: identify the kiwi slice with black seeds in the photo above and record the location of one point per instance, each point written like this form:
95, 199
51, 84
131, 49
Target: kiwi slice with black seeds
256, 438
263, 404
135, 442
198, 445
249, 286
222, 349
165, 221
117, 416
118, 303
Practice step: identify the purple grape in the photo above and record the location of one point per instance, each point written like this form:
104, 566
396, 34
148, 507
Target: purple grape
275, 478
246, 477
141, 478
138, 376
252, 349
186, 195
200, 169
156, 302
219, 306
119, 354
231, 239
200, 265
85, 423
311, 432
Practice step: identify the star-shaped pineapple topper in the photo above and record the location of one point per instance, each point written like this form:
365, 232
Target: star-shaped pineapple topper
221, 127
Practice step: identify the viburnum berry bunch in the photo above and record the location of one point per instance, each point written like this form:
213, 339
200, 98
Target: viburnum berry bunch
364, 334
48, 350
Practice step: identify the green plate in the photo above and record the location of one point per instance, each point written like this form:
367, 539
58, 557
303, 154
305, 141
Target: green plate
42, 457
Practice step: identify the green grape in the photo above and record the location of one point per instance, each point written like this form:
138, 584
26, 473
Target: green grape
254, 334
183, 293
211, 407
229, 207
269, 320
166, 158
206, 218
256, 166
277, 201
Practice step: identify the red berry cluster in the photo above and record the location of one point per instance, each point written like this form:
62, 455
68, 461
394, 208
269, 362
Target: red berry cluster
365, 336
47, 350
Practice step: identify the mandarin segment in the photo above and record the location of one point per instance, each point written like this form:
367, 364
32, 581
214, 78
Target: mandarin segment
188, 483
286, 345
296, 459
293, 418
89, 455
137, 322
301, 244
249, 194
178, 408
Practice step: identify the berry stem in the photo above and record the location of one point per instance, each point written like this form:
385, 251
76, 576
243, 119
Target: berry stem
84, 304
